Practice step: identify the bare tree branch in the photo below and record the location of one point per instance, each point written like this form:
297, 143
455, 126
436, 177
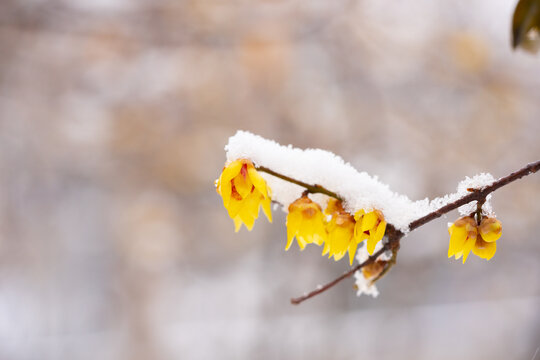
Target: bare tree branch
394, 235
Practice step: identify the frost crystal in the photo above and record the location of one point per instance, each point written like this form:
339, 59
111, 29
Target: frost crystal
358, 189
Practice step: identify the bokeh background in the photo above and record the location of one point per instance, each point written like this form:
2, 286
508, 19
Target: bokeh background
113, 118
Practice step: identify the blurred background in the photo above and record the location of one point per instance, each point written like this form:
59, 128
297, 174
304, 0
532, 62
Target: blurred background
113, 118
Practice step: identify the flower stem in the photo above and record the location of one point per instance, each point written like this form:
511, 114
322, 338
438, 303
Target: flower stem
394, 235
313, 189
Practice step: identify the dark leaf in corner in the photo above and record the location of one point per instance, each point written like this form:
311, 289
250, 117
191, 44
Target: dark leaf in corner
526, 25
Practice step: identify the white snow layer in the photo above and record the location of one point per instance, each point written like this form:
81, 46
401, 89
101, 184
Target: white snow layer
358, 189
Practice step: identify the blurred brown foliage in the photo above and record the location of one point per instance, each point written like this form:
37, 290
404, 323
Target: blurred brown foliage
113, 118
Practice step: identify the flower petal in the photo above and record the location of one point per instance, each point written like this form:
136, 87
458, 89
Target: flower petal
243, 185
469, 244
257, 181
352, 250
231, 171
248, 221
371, 243
237, 223
293, 223
225, 190
266, 206
490, 229
381, 229
234, 207
358, 215
484, 249
458, 235
369, 220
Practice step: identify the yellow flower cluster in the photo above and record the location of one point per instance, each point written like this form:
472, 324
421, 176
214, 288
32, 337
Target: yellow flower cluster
467, 236
341, 234
244, 191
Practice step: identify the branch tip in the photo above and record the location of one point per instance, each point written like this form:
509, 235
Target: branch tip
393, 234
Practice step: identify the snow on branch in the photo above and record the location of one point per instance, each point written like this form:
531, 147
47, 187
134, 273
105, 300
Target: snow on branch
357, 206
319, 167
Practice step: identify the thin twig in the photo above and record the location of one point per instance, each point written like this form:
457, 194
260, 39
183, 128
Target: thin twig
310, 188
477, 195
395, 235
388, 266
345, 275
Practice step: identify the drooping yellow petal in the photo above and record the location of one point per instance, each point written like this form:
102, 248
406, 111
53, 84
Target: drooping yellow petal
319, 231
326, 248
257, 181
484, 249
225, 190
469, 244
359, 235
251, 204
293, 223
371, 243
375, 235
237, 223
248, 221
358, 215
381, 229
266, 206
301, 242
290, 236
231, 171
243, 184
249, 210
458, 235
225, 180
369, 220
234, 207
352, 250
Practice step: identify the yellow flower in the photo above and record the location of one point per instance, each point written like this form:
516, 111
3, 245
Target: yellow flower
484, 249
340, 233
463, 235
370, 226
466, 236
305, 221
333, 206
243, 191
490, 229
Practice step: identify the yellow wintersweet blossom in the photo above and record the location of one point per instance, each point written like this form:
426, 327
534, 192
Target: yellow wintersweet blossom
305, 221
463, 234
466, 236
490, 230
340, 233
243, 191
370, 226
